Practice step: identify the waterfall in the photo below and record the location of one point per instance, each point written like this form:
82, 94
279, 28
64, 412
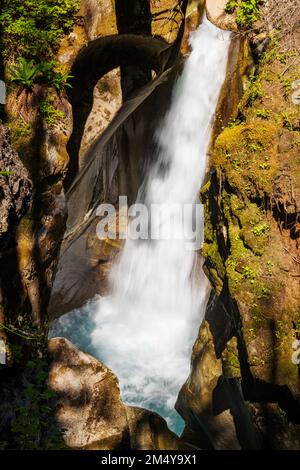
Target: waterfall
144, 330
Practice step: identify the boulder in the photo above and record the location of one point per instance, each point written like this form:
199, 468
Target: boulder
89, 410
88, 407
215, 10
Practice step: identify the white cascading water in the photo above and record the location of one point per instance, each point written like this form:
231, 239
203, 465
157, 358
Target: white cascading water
144, 330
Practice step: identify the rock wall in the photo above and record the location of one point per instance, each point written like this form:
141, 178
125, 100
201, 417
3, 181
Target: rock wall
15, 198
243, 358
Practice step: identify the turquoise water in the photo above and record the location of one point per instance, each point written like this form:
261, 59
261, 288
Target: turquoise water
77, 327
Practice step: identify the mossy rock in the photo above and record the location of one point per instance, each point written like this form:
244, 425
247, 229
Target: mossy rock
247, 154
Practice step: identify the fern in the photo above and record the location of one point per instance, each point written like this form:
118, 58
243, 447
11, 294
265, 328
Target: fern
25, 72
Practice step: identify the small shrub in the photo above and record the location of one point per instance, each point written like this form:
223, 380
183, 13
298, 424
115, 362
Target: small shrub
50, 113
30, 429
291, 121
32, 424
54, 77
247, 11
34, 28
31, 33
254, 90
26, 73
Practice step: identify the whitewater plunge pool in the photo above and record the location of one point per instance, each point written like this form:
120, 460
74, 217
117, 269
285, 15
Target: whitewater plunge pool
136, 388
145, 329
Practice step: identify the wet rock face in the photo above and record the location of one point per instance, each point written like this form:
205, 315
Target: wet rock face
39, 233
89, 409
211, 401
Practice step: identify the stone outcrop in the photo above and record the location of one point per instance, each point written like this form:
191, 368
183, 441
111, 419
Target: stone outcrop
42, 149
197, 399
90, 411
107, 100
215, 10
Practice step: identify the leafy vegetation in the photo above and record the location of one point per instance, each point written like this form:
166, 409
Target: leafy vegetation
19, 129
49, 112
31, 34
248, 273
56, 78
32, 419
32, 426
254, 90
33, 28
25, 72
247, 11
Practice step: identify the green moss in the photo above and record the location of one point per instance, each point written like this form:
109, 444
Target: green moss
249, 273
210, 251
230, 360
6, 173
247, 153
291, 120
249, 156
237, 257
261, 230
20, 130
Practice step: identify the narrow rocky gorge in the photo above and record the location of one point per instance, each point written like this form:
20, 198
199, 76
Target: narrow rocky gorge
94, 140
